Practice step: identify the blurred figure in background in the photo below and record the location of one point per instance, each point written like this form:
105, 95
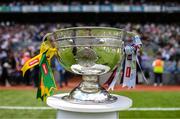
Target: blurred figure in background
62, 72
0, 69
0, 72
158, 69
27, 76
35, 73
18, 74
12, 69
5, 66
5, 76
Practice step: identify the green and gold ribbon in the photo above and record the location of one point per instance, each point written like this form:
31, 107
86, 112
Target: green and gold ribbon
47, 83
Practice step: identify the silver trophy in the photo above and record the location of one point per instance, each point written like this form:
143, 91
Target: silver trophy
90, 52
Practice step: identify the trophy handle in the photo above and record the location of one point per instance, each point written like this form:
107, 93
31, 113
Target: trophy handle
48, 46
47, 43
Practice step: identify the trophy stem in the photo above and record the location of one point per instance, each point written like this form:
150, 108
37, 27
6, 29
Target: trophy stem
89, 91
90, 84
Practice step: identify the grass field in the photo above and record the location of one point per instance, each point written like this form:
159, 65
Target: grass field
140, 99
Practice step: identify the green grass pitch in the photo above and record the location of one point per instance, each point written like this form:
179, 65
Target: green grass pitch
140, 99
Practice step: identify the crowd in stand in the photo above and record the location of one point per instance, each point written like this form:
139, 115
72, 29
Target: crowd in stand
19, 42
89, 2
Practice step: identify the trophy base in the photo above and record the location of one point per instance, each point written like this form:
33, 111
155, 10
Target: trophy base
89, 92
89, 102
79, 97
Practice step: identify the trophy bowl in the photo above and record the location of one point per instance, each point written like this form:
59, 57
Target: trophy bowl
90, 52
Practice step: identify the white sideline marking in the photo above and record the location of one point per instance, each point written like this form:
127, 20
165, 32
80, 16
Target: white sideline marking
48, 108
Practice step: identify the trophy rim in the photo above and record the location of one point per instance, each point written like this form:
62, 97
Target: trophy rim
90, 27
85, 28
124, 32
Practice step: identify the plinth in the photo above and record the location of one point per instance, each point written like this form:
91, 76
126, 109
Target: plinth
67, 110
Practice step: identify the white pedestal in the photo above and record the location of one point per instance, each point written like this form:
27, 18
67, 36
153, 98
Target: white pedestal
68, 110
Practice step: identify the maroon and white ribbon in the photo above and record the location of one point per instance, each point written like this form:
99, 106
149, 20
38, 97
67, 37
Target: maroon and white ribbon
129, 77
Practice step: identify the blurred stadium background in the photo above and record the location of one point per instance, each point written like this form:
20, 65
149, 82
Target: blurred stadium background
23, 23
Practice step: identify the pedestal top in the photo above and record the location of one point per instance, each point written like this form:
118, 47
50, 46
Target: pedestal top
122, 103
